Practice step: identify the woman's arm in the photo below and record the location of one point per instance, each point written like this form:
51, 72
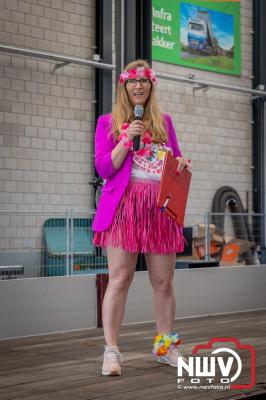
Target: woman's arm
104, 145
119, 153
110, 156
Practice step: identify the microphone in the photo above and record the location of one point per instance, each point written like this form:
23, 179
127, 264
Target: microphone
138, 112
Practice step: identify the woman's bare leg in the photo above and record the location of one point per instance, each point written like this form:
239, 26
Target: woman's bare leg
121, 265
161, 271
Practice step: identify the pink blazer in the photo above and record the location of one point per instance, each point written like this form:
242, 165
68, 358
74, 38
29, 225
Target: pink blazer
116, 180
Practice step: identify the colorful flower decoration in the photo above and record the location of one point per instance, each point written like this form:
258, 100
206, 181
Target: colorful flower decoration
162, 343
139, 72
123, 77
124, 138
146, 141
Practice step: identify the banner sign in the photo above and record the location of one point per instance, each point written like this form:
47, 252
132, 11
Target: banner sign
201, 34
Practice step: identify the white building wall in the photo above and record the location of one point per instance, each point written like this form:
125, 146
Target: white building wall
46, 116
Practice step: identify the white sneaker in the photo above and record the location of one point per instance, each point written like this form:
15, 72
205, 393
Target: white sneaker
112, 360
171, 357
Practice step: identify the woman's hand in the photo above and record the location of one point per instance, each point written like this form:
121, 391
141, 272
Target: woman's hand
182, 163
135, 128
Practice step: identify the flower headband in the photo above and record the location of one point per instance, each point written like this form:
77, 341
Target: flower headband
139, 72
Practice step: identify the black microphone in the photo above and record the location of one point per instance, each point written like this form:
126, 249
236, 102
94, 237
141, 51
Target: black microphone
138, 112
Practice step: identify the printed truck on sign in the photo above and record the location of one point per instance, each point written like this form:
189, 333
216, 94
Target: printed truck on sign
200, 35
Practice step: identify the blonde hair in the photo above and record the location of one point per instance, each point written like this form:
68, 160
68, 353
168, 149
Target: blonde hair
123, 111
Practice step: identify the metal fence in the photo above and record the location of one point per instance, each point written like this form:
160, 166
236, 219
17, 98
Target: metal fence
60, 244
41, 244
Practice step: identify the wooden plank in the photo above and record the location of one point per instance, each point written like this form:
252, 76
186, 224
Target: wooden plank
68, 366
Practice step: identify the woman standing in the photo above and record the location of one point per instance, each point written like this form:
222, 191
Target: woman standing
128, 221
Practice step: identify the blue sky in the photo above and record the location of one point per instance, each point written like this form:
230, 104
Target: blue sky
222, 24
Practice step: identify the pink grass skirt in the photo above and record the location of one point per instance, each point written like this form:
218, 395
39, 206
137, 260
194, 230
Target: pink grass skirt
139, 226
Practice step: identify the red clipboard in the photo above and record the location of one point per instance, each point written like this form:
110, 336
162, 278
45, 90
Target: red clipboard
174, 188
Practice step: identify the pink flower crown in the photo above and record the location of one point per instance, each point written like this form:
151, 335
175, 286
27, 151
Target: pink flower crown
139, 72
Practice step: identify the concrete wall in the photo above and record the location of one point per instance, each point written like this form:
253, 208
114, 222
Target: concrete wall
46, 305
202, 291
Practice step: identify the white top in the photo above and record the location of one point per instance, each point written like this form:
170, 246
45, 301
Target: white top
150, 164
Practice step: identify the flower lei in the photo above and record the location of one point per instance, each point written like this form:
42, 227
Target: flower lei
139, 72
145, 150
162, 343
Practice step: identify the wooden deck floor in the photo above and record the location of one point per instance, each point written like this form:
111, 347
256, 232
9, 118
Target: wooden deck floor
67, 366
